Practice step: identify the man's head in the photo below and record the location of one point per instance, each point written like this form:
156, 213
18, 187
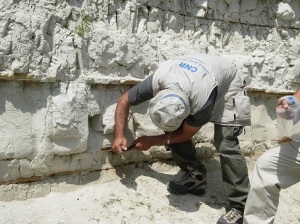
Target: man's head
168, 109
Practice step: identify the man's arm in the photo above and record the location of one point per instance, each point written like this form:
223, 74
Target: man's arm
136, 95
121, 117
180, 135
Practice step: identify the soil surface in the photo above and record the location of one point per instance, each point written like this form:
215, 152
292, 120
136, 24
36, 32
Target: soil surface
134, 193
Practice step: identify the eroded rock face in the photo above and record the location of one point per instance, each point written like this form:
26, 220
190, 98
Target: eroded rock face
63, 65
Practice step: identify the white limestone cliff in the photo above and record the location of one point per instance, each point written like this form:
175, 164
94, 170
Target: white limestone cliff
63, 65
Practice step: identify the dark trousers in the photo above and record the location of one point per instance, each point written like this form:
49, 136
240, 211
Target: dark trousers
233, 163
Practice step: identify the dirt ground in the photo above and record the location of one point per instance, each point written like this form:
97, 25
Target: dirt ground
133, 193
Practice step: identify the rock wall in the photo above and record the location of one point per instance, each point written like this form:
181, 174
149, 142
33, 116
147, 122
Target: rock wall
64, 63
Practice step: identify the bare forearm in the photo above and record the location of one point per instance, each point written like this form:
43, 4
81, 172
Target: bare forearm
170, 138
121, 116
177, 136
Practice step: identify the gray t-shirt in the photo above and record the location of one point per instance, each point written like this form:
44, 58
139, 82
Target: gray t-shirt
211, 83
143, 92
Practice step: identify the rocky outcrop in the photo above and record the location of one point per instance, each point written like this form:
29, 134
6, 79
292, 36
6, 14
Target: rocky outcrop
63, 65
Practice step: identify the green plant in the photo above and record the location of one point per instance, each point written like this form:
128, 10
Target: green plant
85, 21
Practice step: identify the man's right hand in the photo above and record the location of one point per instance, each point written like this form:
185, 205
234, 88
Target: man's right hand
119, 145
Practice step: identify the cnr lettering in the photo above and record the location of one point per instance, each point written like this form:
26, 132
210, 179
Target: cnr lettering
188, 67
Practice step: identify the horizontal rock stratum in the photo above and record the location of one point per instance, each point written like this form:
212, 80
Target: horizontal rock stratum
63, 65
